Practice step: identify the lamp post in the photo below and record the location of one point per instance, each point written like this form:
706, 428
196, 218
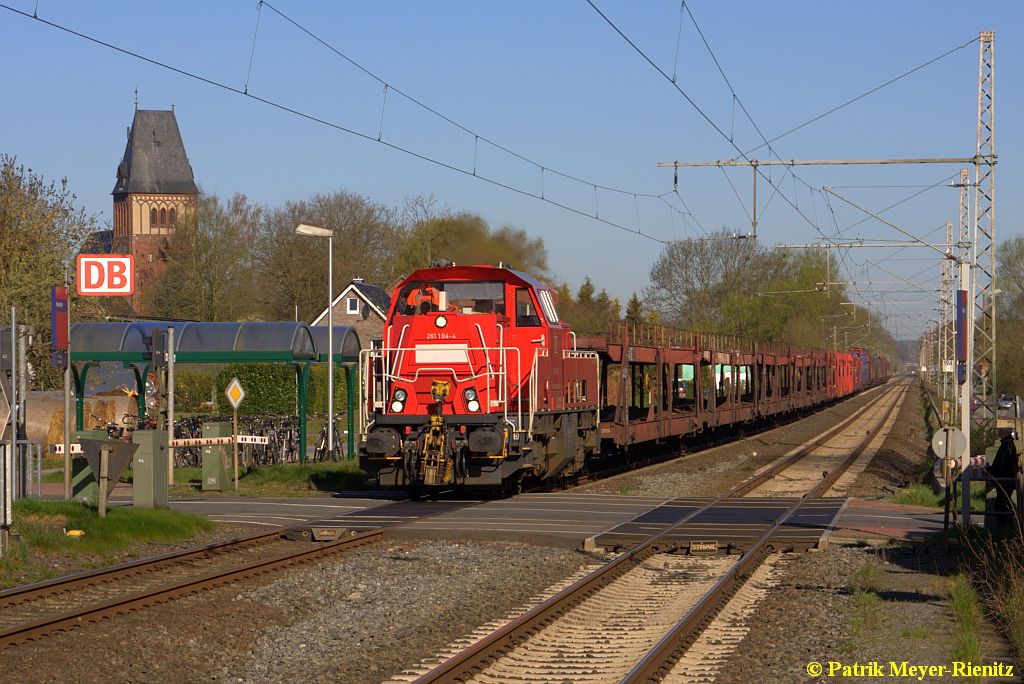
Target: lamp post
313, 231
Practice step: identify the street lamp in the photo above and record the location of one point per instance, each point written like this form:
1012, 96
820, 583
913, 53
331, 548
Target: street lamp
313, 231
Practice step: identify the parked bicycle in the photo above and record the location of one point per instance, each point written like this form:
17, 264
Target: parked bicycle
320, 451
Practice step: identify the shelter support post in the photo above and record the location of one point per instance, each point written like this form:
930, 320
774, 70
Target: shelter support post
350, 447
302, 378
79, 378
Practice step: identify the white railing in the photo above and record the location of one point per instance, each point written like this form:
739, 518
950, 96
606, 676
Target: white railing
498, 393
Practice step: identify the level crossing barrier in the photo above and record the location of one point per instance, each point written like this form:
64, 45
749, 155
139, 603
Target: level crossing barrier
184, 442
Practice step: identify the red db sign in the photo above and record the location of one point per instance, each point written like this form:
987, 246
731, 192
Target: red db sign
106, 275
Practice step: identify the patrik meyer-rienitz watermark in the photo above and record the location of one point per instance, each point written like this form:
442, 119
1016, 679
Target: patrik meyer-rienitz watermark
892, 669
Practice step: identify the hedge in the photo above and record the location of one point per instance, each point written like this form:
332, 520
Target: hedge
270, 389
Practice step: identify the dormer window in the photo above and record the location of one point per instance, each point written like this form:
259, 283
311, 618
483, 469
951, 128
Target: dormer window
352, 305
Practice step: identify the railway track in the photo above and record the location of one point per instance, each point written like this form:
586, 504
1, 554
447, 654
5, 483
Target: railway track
758, 429
634, 618
33, 611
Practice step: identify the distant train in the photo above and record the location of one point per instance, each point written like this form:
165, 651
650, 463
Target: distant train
479, 384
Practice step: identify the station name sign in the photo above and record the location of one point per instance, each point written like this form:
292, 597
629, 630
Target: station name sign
106, 275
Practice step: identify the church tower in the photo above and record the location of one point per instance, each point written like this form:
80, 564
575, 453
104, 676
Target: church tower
155, 191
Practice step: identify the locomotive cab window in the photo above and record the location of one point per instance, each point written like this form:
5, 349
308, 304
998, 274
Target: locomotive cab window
526, 313
547, 303
460, 297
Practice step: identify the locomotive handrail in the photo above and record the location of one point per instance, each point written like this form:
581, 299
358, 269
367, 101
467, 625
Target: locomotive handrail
487, 358
501, 375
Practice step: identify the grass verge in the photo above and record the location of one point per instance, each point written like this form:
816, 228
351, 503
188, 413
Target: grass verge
302, 478
864, 586
963, 601
289, 479
41, 523
997, 569
41, 526
918, 494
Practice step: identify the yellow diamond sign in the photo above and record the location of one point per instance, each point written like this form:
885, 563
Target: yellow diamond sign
235, 393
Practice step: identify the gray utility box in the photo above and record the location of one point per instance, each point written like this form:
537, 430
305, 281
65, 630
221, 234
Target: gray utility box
149, 469
84, 487
216, 458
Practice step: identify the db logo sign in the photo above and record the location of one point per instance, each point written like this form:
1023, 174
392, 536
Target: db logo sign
106, 275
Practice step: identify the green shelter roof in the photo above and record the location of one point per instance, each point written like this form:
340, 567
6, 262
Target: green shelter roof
246, 341
346, 342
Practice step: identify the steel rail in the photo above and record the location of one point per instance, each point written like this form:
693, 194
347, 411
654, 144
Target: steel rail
786, 461
29, 592
661, 658
42, 626
480, 653
767, 430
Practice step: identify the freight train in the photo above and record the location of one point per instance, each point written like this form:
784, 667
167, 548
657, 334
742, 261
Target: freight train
478, 383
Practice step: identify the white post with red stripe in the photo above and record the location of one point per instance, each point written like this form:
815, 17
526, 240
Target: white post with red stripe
184, 442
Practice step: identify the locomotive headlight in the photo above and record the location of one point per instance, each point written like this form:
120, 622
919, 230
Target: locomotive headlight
397, 406
470, 394
473, 405
440, 321
401, 394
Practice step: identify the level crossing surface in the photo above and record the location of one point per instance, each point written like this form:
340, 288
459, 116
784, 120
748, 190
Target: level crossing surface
567, 518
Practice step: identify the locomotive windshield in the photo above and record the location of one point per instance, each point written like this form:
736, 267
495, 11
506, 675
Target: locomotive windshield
462, 297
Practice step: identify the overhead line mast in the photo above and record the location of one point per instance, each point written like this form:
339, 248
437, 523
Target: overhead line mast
984, 257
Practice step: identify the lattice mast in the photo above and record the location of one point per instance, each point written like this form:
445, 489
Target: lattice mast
948, 330
984, 239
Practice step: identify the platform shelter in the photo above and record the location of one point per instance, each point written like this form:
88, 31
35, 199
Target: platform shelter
293, 343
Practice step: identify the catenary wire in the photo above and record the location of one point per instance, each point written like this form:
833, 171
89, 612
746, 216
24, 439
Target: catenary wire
310, 117
392, 87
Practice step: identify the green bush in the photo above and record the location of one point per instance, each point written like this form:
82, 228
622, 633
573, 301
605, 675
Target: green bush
318, 389
269, 388
192, 389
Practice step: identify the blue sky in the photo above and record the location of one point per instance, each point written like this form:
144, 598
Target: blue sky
552, 82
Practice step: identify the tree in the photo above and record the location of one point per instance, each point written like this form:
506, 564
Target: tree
1010, 278
702, 284
292, 269
737, 287
1010, 316
467, 239
634, 310
587, 313
209, 269
41, 229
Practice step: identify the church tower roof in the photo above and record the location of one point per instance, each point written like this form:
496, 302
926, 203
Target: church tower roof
154, 159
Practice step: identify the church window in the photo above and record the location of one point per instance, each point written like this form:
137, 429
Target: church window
152, 216
174, 218
163, 217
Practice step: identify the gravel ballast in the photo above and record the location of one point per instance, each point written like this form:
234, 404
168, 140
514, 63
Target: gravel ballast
356, 618
711, 472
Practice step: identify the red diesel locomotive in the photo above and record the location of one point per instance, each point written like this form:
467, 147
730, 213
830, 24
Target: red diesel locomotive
479, 384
